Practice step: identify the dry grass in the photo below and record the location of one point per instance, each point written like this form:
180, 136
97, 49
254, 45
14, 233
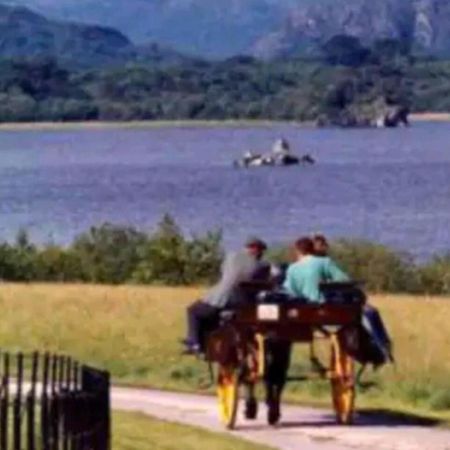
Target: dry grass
133, 332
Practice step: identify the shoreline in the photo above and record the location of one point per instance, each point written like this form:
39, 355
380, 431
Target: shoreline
158, 124
145, 124
430, 117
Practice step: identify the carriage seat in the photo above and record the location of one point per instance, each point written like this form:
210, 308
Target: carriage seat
278, 297
343, 293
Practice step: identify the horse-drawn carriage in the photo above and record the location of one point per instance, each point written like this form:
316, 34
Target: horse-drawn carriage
238, 346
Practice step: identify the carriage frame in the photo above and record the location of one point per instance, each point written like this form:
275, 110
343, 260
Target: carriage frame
237, 349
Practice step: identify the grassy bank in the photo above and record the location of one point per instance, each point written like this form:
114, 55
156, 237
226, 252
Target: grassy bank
133, 332
139, 432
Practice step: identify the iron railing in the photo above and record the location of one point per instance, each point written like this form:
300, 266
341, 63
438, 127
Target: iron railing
51, 402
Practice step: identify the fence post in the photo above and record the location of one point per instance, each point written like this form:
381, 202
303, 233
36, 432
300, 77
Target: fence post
17, 405
44, 404
31, 403
4, 404
97, 384
71, 403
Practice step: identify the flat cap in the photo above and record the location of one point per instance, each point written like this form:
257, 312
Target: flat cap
256, 242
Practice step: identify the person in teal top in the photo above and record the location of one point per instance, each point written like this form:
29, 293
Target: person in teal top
303, 278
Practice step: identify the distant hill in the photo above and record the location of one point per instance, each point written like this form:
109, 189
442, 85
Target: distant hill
26, 34
212, 28
422, 25
267, 28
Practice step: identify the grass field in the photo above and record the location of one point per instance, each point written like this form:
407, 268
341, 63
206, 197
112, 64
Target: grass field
139, 432
134, 331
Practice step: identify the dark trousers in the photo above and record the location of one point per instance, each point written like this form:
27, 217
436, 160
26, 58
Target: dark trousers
200, 318
278, 359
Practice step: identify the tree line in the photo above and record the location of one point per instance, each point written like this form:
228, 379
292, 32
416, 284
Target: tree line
110, 254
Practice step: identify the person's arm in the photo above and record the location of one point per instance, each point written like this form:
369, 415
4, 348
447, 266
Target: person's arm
334, 272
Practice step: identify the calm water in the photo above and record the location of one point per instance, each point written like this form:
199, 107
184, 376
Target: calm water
391, 186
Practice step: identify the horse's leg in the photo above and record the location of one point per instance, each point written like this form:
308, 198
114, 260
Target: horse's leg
251, 404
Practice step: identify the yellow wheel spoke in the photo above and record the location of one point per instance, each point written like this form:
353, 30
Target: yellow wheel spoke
342, 382
228, 394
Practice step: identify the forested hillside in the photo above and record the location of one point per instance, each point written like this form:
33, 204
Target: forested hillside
349, 87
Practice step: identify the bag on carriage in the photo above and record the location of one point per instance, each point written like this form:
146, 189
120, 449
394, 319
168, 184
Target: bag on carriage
373, 345
375, 342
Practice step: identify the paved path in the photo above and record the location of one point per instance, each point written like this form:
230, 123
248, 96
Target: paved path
301, 428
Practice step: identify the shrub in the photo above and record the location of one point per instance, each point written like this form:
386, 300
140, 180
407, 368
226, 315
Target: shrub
18, 261
169, 258
382, 269
435, 276
57, 264
109, 253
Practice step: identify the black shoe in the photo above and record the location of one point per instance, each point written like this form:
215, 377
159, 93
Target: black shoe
186, 341
273, 413
251, 409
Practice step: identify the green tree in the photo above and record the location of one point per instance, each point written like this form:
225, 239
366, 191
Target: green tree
109, 253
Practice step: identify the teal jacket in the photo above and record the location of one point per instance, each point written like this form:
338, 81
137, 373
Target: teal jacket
303, 278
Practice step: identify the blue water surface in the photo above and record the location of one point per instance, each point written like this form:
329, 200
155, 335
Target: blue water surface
390, 186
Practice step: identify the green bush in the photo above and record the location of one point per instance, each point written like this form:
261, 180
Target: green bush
168, 258
435, 276
109, 254
380, 268
113, 254
18, 262
57, 264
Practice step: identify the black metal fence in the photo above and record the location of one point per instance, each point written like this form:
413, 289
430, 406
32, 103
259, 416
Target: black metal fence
50, 402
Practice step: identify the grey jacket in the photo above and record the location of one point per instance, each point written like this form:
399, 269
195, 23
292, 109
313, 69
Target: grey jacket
237, 268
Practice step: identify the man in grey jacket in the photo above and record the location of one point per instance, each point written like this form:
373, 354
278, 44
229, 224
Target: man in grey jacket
246, 265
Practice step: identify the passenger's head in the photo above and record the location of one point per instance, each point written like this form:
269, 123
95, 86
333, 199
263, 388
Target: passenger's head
321, 246
304, 247
256, 247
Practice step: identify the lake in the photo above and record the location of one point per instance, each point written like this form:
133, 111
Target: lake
389, 186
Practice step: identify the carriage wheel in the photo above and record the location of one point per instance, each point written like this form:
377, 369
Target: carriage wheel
342, 382
228, 393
